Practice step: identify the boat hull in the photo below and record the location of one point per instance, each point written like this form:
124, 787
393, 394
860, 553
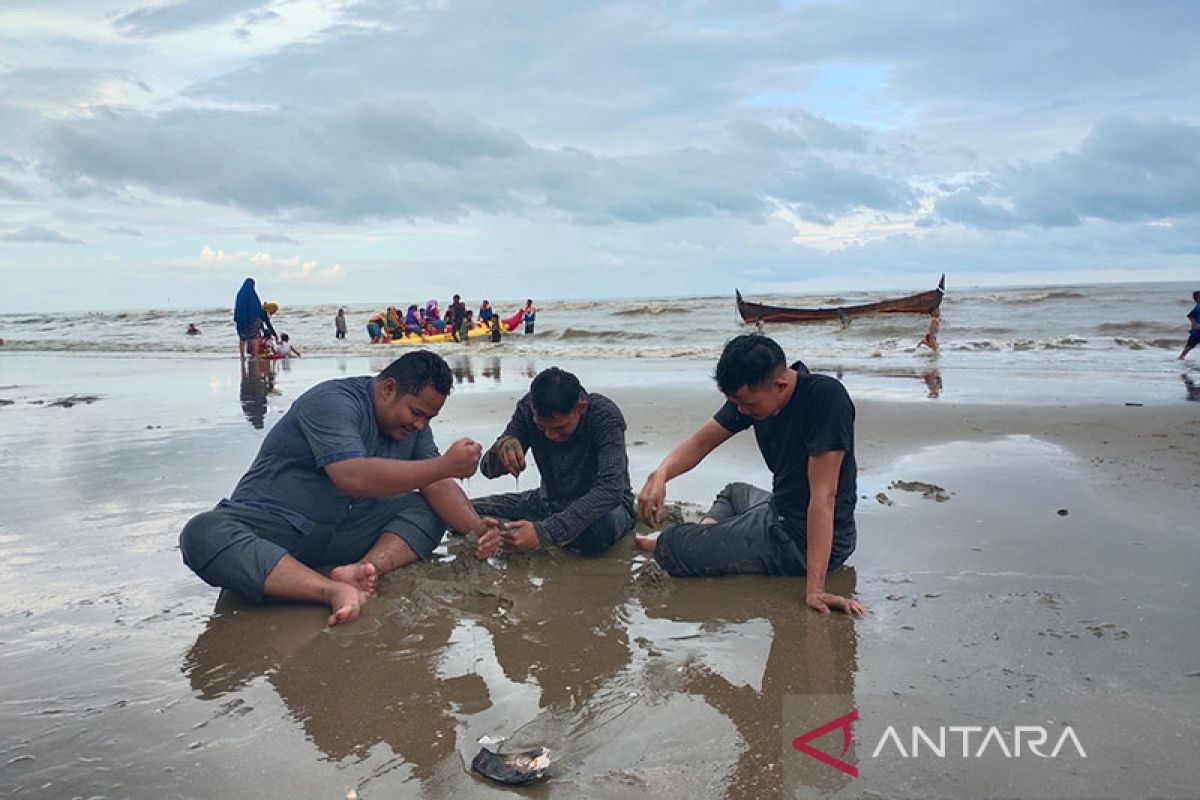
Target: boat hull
921, 303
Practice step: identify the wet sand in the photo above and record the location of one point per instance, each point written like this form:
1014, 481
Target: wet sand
126, 676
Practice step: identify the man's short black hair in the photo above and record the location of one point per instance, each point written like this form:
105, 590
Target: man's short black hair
555, 392
748, 360
414, 371
1196, 296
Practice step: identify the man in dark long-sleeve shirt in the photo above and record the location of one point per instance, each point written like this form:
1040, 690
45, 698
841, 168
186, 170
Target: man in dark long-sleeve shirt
585, 502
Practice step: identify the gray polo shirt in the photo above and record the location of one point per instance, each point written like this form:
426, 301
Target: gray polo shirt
333, 421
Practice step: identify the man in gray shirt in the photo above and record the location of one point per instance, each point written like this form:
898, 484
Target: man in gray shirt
351, 477
585, 502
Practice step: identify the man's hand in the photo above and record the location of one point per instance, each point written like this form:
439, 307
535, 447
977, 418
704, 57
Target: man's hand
462, 459
823, 602
489, 539
512, 455
519, 536
651, 499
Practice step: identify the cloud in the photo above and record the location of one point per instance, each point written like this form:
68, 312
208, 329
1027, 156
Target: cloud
38, 234
275, 238
154, 20
124, 230
11, 190
801, 130
371, 162
1124, 171
294, 267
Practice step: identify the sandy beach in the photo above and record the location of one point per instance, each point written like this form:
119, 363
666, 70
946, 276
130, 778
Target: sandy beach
1031, 557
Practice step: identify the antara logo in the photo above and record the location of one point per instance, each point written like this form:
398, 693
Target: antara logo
844, 722
1024, 739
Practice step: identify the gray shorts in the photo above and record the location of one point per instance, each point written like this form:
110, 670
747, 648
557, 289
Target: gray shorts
236, 547
748, 537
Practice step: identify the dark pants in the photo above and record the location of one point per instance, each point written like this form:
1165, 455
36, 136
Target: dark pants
593, 540
236, 547
748, 537
529, 327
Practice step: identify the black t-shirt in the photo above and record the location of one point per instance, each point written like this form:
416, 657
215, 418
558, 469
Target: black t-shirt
818, 418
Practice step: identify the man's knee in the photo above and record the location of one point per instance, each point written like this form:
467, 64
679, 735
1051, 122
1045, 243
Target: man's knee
604, 532
197, 541
417, 525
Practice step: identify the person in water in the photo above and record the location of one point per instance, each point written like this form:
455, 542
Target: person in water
1193, 328
350, 477
376, 328
285, 349
585, 502
251, 319
456, 317
804, 425
339, 324
930, 339
192, 330
530, 316
486, 312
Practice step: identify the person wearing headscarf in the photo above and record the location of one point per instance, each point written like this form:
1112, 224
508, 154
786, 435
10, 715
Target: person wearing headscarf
433, 317
412, 321
247, 316
395, 326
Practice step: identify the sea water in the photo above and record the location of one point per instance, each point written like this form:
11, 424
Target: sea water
1062, 343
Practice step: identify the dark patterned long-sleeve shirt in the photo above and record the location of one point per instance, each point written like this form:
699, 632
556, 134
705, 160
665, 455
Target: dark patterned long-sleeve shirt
583, 478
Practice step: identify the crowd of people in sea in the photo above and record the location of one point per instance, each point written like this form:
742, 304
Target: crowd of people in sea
257, 335
458, 323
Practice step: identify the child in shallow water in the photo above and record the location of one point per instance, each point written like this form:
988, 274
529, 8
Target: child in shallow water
930, 339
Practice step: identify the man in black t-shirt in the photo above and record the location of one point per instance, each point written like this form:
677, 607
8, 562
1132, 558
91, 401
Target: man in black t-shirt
804, 424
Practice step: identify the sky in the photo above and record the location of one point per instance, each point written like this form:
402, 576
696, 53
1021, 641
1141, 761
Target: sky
153, 156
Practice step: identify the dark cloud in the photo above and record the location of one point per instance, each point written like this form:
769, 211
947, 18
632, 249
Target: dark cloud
1124, 171
37, 234
370, 162
154, 20
801, 131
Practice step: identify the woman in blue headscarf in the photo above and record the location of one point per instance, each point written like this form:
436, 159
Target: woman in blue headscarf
248, 316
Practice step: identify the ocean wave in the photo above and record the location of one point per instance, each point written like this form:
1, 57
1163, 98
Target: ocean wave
569, 334
652, 310
1136, 328
976, 347
1144, 344
1035, 297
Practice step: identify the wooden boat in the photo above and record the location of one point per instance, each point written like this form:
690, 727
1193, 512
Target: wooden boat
921, 303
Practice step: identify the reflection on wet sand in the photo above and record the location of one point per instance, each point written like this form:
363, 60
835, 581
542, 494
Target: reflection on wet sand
809, 654
540, 650
933, 382
258, 381
567, 636
348, 697
1191, 387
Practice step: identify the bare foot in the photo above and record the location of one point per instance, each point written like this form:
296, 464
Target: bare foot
362, 576
646, 543
345, 601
